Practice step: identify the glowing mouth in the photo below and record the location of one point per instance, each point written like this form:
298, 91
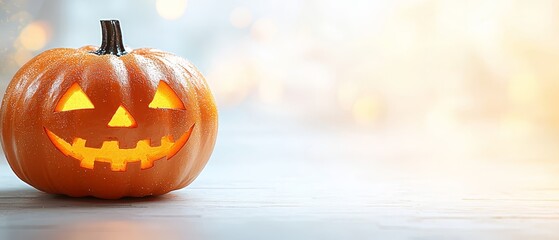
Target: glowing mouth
117, 157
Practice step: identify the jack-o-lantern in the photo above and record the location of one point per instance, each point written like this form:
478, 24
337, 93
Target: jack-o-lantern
107, 122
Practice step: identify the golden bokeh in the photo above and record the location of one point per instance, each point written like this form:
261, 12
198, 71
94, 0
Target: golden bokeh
441, 63
171, 9
366, 110
34, 36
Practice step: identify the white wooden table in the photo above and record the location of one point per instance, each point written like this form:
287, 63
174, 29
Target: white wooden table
278, 179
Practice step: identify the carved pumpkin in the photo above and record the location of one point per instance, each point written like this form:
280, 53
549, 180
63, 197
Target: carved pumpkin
106, 122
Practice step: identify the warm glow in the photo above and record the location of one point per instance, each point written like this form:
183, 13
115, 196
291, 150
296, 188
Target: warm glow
117, 157
34, 36
240, 17
523, 89
73, 99
122, 118
366, 110
166, 98
170, 9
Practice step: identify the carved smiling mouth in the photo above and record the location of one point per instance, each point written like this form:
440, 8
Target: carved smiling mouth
117, 157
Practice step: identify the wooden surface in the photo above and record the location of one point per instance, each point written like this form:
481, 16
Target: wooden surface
276, 179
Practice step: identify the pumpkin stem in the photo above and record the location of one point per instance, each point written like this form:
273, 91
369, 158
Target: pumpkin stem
112, 39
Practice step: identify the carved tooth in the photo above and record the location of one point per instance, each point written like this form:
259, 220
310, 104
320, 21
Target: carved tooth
118, 166
143, 143
87, 163
110, 145
78, 142
143, 158
145, 162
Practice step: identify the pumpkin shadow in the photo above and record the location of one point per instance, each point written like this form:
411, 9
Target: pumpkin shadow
89, 199
28, 198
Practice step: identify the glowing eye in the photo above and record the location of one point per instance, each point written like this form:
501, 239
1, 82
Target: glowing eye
73, 99
165, 97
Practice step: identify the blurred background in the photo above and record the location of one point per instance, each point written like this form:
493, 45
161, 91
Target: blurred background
436, 87
370, 64
421, 115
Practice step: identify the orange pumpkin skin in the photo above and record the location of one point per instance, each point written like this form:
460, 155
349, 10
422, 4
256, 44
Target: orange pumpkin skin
110, 81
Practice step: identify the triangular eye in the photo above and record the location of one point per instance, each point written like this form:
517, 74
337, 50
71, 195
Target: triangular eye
165, 97
73, 99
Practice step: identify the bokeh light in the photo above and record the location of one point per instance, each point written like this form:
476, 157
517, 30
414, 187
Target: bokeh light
34, 36
366, 110
170, 9
453, 90
431, 66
